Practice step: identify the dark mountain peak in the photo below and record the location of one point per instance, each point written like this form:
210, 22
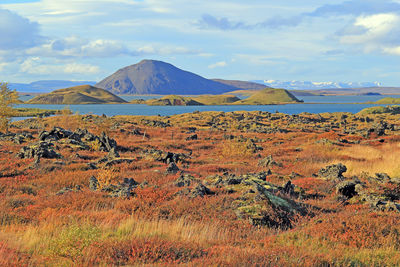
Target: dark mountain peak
158, 77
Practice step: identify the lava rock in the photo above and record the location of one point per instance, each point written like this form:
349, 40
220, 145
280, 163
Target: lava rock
41, 150
268, 162
185, 180
334, 171
172, 168
347, 189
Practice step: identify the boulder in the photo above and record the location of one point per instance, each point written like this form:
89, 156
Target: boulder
347, 189
124, 189
93, 183
382, 205
268, 162
200, 191
172, 168
382, 177
17, 138
288, 188
65, 190
192, 137
107, 142
38, 150
167, 157
185, 180
262, 207
55, 134
333, 172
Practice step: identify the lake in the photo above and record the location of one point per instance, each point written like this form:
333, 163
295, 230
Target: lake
320, 104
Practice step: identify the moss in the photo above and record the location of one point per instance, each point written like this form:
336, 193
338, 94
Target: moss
254, 211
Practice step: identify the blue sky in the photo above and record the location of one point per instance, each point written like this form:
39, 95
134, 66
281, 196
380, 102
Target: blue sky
348, 41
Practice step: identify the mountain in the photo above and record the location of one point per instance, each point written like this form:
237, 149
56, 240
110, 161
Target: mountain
84, 94
243, 85
157, 77
46, 86
302, 85
269, 96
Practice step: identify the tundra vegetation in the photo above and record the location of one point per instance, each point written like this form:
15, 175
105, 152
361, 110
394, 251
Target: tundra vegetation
205, 188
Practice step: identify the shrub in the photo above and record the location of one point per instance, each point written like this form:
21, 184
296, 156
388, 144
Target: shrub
72, 240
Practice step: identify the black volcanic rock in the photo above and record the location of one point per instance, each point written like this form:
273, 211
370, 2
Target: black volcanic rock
157, 77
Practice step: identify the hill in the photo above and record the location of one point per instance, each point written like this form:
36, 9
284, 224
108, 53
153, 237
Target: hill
173, 100
84, 94
269, 96
388, 101
157, 77
46, 86
244, 92
242, 84
394, 110
215, 100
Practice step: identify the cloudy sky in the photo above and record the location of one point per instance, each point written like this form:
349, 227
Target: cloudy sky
355, 40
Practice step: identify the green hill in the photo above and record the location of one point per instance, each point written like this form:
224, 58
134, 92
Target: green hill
394, 110
173, 100
215, 100
84, 94
388, 101
269, 96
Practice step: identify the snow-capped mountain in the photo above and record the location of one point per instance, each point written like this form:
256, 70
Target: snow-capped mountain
303, 85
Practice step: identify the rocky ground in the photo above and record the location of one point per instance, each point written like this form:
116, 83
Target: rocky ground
210, 188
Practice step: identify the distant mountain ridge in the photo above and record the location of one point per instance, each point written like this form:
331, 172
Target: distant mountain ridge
244, 85
157, 77
308, 85
47, 85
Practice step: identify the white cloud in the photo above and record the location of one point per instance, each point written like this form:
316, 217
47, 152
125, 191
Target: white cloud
375, 27
81, 68
379, 32
158, 49
392, 50
78, 47
3, 66
219, 64
36, 65
17, 32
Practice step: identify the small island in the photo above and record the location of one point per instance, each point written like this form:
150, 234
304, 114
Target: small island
267, 96
387, 101
393, 110
84, 94
37, 112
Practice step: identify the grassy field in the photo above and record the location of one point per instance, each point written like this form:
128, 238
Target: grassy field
51, 215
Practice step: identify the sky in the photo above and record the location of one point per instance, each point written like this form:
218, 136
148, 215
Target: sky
308, 40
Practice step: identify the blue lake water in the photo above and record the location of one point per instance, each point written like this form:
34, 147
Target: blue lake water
320, 104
